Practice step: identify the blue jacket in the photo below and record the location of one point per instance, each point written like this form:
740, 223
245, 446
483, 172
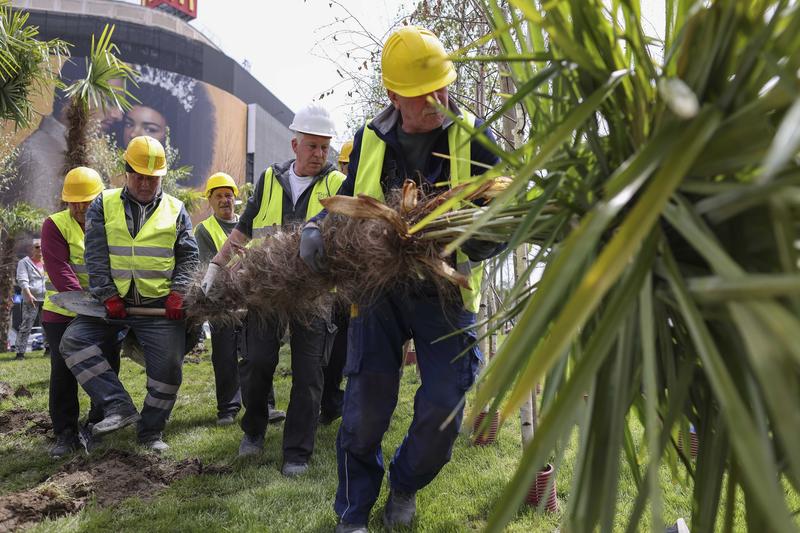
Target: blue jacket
101, 284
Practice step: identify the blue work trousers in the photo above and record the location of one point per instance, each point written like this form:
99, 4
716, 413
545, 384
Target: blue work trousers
163, 344
374, 360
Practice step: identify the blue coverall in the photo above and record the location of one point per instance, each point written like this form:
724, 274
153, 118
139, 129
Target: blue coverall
375, 339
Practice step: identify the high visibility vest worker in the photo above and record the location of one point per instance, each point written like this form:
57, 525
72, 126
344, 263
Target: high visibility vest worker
149, 258
270, 215
211, 224
73, 234
368, 181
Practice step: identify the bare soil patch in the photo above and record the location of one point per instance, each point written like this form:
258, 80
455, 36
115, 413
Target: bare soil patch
5, 390
107, 479
16, 419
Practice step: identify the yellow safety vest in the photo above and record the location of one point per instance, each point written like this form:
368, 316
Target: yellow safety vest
73, 234
148, 259
213, 228
270, 215
368, 182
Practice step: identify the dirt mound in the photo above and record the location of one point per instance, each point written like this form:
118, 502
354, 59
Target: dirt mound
5, 390
18, 419
22, 392
108, 479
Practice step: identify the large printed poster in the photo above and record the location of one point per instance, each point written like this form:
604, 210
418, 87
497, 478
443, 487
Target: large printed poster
205, 126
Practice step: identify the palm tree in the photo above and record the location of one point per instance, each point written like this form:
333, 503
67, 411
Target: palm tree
25, 64
104, 85
14, 221
666, 206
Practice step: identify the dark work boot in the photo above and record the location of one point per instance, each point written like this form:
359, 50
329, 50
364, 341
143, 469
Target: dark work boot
115, 421
66, 443
344, 527
400, 509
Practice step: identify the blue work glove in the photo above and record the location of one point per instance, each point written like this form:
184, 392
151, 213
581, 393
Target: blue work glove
478, 250
312, 248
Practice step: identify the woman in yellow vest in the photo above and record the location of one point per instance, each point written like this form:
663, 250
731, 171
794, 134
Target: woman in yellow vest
211, 234
397, 144
62, 250
140, 251
287, 193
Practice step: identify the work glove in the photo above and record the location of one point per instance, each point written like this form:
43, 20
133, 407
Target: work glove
174, 306
208, 280
478, 250
312, 248
115, 307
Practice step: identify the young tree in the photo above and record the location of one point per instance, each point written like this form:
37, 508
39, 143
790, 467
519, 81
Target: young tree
104, 85
670, 288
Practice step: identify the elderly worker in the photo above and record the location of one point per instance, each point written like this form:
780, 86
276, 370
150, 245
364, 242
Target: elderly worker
30, 278
398, 144
287, 193
211, 234
140, 251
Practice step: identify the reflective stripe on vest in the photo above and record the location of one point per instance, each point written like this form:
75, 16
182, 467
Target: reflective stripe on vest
368, 181
148, 259
218, 235
73, 234
270, 214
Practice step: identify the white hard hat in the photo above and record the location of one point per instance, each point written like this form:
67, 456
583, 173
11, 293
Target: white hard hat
314, 119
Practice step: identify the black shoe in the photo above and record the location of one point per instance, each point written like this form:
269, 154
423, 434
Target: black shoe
294, 469
66, 443
275, 416
400, 509
326, 418
115, 421
19, 357
226, 420
251, 445
344, 527
155, 444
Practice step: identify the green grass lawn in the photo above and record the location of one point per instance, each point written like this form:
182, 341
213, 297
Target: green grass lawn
254, 496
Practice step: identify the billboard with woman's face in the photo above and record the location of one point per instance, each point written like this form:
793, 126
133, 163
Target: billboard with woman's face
204, 126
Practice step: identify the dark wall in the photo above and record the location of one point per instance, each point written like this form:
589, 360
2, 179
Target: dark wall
163, 49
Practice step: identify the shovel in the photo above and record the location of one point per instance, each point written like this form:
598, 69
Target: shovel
84, 303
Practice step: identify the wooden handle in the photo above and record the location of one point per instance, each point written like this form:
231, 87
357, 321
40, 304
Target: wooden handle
146, 311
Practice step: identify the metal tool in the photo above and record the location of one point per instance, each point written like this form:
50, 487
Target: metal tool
83, 303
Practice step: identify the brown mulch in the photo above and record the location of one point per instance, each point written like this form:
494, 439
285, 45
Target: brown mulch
107, 479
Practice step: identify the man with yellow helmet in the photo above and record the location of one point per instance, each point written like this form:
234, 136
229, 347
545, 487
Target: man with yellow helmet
287, 193
211, 234
344, 156
140, 252
398, 144
65, 270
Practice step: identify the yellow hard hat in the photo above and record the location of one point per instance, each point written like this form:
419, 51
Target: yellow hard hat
344, 153
81, 184
220, 179
414, 62
146, 156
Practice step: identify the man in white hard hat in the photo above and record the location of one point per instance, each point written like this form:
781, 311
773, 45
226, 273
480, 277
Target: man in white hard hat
286, 194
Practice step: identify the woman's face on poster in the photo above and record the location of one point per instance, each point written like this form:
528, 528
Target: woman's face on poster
143, 120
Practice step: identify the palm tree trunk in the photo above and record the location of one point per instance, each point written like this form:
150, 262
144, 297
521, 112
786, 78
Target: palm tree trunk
6, 285
77, 136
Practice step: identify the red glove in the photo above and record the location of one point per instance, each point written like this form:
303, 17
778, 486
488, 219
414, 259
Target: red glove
174, 306
115, 307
